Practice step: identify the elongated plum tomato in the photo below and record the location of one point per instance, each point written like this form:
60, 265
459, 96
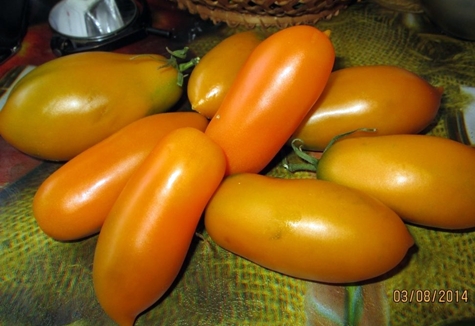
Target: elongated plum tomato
390, 99
427, 180
74, 201
306, 228
212, 77
68, 104
280, 81
147, 234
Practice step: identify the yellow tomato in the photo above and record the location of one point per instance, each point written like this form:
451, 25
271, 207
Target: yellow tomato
70, 103
390, 99
427, 180
306, 228
213, 75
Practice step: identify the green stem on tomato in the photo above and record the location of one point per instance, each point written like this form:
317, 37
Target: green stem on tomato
180, 54
338, 137
310, 163
180, 67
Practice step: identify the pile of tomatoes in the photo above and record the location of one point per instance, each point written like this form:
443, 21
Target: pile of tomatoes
145, 187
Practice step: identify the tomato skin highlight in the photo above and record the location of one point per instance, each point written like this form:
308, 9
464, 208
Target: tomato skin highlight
212, 77
280, 81
73, 202
306, 228
146, 236
390, 99
427, 180
58, 110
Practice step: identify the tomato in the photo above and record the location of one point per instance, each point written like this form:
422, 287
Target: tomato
390, 99
146, 236
281, 80
212, 77
74, 201
306, 228
427, 180
68, 104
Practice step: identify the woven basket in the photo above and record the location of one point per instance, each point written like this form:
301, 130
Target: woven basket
265, 13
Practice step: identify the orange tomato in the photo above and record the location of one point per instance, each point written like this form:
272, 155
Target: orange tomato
281, 80
390, 99
212, 77
427, 180
147, 234
74, 201
306, 228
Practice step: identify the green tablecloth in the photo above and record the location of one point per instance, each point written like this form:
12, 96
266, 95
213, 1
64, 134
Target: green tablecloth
45, 282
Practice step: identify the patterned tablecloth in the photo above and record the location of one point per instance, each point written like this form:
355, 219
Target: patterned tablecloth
46, 282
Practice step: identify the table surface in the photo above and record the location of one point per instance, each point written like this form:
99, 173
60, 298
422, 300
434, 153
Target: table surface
46, 282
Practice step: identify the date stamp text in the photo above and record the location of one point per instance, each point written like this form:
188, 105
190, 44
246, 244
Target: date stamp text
430, 296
